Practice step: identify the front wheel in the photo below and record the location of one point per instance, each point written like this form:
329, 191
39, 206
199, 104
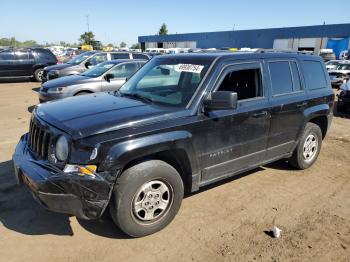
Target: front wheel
146, 198
308, 148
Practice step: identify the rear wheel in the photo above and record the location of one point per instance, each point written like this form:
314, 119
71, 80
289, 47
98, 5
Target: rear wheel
38, 74
308, 148
146, 198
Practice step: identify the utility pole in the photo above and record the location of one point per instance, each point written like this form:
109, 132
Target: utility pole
87, 23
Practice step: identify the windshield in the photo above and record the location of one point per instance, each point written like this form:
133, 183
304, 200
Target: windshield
168, 81
98, 70
78, 59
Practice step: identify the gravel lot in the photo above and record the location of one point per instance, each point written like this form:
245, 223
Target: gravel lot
226, 223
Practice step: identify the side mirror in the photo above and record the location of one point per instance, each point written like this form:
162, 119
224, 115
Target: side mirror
165, 71
108, 77
88, 64
221, 100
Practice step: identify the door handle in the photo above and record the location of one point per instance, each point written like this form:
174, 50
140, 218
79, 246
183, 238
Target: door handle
260, 114
304, 104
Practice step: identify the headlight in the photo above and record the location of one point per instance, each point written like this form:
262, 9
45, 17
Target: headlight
62, 148
55, 90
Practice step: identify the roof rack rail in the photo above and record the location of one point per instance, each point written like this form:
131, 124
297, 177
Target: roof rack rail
262, 50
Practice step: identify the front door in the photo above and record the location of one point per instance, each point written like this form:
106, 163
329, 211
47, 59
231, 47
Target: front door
235, 140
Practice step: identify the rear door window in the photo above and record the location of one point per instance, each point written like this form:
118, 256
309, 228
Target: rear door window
314, 75
281, 77
285, 77
21, 55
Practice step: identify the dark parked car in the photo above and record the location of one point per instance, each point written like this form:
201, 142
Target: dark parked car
105, 77
85, 61
179, 123
344, 97
25, 62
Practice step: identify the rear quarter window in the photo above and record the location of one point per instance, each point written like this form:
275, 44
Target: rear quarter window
120, 56
314, 75
46, 55
140, 56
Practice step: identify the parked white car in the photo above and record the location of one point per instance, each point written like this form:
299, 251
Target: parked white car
332, 64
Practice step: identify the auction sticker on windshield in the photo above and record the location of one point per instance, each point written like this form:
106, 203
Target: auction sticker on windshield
189, 68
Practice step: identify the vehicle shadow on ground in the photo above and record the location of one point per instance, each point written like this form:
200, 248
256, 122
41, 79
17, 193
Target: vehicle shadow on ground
36, 89
15, 80
103, 227
21, 213
31, 108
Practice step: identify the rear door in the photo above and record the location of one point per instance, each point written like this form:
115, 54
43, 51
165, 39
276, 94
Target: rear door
24, 63
288, 102
7, 63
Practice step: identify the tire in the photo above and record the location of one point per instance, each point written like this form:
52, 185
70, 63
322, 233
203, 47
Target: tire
130, 195
38, 73
308, 148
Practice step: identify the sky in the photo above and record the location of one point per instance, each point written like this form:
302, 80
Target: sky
117, 21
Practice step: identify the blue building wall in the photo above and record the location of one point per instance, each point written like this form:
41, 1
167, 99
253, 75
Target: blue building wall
262, 38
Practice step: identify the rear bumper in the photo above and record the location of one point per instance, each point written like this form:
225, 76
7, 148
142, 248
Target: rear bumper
83, 196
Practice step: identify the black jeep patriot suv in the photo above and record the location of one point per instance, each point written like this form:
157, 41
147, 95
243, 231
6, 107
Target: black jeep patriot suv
179, 123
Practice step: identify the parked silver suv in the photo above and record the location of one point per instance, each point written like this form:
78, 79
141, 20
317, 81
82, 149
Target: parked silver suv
105, 77
85, 61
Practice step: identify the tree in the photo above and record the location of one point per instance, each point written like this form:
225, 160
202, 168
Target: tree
163, 29
110, 45
122, 44
87, 38
136, 46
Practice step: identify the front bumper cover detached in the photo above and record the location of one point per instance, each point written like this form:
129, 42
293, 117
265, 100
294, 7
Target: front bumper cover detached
83, 196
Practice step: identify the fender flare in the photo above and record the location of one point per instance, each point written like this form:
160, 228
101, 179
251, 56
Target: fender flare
313, 112
123, 153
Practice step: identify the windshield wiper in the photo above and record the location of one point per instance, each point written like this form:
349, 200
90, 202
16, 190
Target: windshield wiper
137, 95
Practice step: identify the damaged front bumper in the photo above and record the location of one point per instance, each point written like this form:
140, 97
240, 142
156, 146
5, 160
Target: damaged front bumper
83, 196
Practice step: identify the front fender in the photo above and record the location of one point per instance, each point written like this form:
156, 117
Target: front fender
122, 153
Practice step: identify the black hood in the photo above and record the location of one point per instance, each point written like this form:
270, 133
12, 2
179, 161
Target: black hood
87, 115
58, 67
67, 81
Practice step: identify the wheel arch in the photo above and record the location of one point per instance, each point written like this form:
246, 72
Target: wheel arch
83, 91
174, 148
319, 115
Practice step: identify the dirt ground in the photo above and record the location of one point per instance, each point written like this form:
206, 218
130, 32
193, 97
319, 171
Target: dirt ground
226, 222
